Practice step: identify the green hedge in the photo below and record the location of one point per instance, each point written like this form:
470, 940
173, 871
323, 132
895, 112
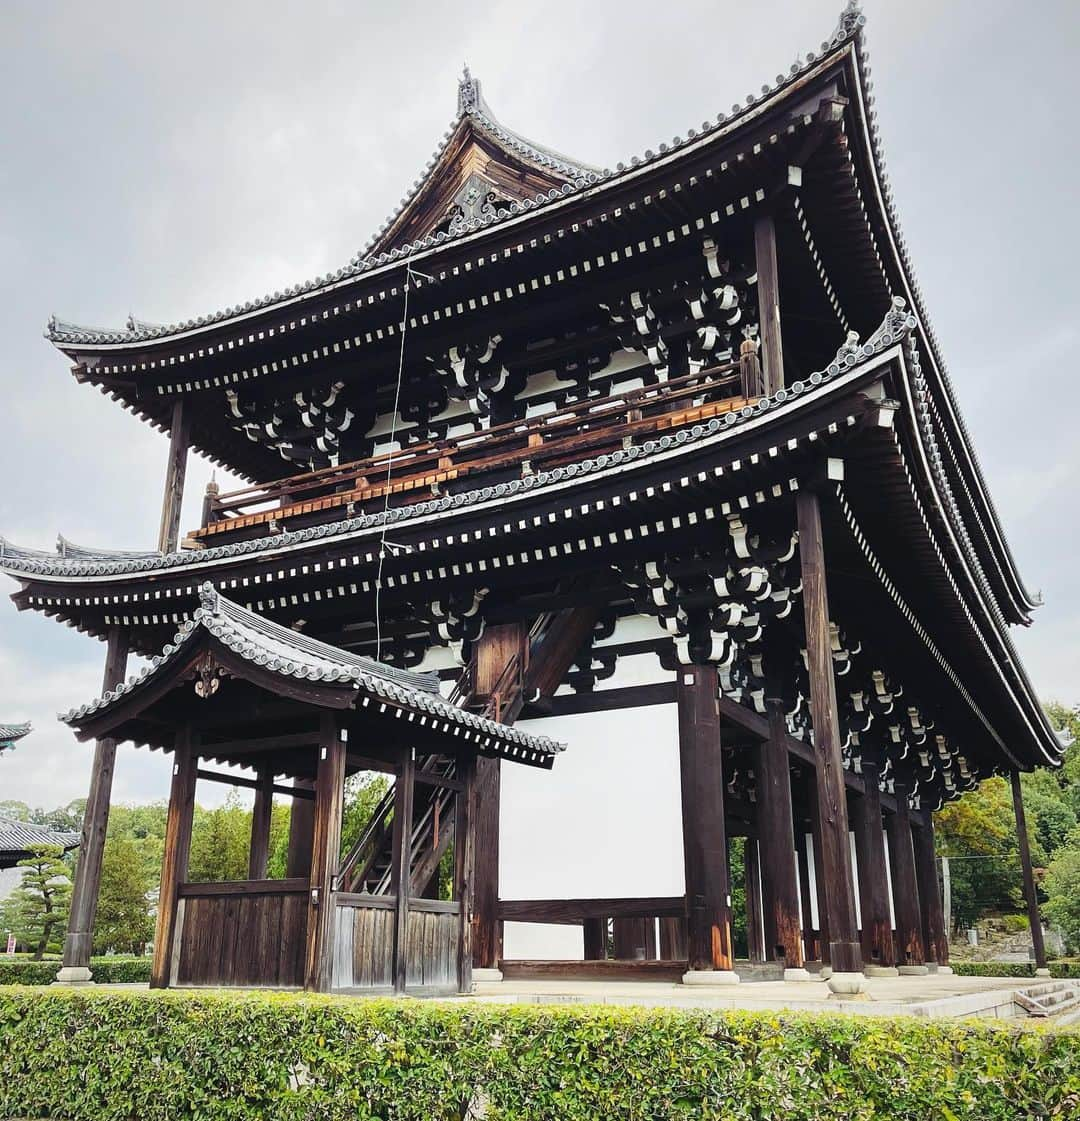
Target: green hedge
1065, 969
119, 1055
112, 970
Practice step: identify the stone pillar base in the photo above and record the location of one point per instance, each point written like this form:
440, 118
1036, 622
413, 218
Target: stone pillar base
846, 984
74, 975
707, 977
912, 970
946, 969
486, 976
797, 973
825, 972
881, 971
1044, 972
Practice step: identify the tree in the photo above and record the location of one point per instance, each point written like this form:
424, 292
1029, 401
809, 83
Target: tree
123, 916
220, 842
40, 902
1062, 885
363, 793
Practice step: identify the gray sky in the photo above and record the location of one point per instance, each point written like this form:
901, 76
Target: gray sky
171, 160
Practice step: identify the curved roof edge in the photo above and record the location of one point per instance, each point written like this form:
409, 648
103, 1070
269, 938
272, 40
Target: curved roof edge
20, 563
290, 654
9, 733
581, 177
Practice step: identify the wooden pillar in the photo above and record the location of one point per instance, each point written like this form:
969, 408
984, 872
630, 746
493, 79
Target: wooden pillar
259, 850
672, 939
325, 855
401, 864
768, 289
175, 472
877, 936
301, 832
755, 928
594, 938
635, 939
811, 950
776, 840
1034, 918
834, 868
174, 863
78, 944
464, 867
935, 941
814, 860
487, 928
708, 893
911, 956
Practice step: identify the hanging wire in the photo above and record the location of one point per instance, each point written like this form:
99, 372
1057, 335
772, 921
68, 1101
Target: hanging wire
410, 272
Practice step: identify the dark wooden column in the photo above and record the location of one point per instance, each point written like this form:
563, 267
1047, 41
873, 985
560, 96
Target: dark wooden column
259, 851
487, 928
325, 855
935, 939
701, 774
814, 856
755, 925
911, 957
301, 831
768, 287
672, 939
594, 939
877, 937
776, 840
401, 864
811, 950
84, 897
175, 472
464, 867
834, 868
174, 863
1034, 918
635, 939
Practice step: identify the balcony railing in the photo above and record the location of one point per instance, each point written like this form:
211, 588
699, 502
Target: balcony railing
414, 473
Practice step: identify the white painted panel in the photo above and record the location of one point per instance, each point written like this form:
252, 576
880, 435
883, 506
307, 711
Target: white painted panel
605, 822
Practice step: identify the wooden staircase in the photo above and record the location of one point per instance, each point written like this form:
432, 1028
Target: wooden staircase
534, 670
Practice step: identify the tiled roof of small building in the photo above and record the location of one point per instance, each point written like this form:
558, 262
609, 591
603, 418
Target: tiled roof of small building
22, 836
9, 733
288, 653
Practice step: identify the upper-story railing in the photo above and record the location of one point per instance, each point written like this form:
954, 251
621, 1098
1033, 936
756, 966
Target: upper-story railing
416, 472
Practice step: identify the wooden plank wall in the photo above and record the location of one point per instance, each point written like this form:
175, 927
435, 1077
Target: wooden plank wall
431, 949
242, 937
364, 945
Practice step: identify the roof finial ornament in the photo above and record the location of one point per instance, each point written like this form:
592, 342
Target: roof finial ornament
851, 19
209, 600
468, 94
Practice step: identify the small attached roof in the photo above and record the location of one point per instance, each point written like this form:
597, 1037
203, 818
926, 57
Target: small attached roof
19, 838
9, 733
224, 640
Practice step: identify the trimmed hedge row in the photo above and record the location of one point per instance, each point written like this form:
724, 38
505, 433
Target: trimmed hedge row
1067, 970
110, 970
119, 1055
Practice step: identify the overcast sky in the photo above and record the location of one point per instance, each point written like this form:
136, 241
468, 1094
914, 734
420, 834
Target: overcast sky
169, 160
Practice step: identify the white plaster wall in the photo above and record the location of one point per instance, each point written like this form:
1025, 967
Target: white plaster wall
605, 822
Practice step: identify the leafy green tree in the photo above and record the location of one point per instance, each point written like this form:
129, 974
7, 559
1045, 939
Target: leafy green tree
123, 915
40, 902
1062, 886
220, 842
363, 792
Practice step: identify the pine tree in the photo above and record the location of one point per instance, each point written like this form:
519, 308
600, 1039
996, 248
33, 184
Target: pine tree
43, 897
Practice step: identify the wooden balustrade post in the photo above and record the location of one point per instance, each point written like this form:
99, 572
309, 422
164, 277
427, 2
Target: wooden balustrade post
701, 773
174, 864
78, 945
325, 855
175, 472
1037, 942
834, 867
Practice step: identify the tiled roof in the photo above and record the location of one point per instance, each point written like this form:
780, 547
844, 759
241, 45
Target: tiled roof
9, 733
579, 177
896, 326
283, 651
21, 836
